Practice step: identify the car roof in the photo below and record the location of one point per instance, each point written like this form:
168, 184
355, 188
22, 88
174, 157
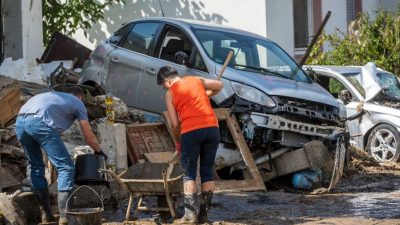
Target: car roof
187, 23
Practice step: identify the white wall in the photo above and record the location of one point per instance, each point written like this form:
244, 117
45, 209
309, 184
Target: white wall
23, 30
338, 19
235, 13
280, 27
370, 6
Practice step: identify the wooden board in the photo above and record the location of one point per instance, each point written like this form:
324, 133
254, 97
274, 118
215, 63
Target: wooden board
147, 138
10, 100
254, 180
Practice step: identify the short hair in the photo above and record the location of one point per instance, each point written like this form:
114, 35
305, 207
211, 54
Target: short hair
75, 90
164, 72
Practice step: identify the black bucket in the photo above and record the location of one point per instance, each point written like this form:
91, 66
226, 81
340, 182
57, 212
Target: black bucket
85, 216
87, 170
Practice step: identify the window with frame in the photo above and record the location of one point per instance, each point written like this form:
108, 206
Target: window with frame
140, 37
176, 41
119, 34
302, 20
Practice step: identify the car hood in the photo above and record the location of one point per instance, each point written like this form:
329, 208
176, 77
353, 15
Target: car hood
369, 81
277, 86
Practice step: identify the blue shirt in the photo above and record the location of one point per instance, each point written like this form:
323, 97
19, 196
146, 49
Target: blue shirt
57, 109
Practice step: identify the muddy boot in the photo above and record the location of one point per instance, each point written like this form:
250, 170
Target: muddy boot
62, 201
191, 209
44, 205
205, 205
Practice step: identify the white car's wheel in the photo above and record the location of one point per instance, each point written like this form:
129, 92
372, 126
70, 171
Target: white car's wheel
384, 143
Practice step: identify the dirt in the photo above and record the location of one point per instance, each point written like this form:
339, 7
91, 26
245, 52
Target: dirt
369, 194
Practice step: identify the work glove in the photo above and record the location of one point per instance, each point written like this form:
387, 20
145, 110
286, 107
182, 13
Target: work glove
101, 153
178, 147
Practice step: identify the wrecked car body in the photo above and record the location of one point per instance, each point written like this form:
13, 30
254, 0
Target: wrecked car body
278, 106
378, 93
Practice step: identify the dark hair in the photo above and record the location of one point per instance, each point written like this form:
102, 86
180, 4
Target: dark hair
164, 72
77, 91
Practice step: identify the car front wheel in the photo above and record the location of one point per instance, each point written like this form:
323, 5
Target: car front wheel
384, 143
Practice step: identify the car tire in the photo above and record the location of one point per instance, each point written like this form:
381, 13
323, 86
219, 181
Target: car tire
384, 143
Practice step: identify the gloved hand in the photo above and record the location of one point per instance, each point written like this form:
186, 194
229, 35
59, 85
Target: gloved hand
178, 147
101, 153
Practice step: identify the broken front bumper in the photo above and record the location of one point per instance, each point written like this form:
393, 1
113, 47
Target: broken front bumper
279, 123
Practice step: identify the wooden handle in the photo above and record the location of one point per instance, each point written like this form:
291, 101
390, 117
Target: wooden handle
227, 60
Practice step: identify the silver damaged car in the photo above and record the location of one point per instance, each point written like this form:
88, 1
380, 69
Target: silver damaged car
377, 92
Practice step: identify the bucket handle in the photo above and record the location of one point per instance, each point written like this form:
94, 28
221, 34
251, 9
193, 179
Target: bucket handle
101, 200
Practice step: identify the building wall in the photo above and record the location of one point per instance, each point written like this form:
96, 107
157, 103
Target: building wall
235, 13
338, 19
280, 23
22, 29
370, 6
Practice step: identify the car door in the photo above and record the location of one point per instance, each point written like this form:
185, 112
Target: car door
171, 41
125, 63
335, 86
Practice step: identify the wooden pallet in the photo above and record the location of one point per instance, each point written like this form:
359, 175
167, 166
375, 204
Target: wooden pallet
147, 138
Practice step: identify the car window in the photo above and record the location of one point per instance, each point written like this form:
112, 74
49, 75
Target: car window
140, 37
119, 34
332, 85
175, 41
335, 87
250, 54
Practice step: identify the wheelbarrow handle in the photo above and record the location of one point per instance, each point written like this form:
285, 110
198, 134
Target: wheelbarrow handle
116, 177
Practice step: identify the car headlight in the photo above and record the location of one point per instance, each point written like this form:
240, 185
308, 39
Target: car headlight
253, 95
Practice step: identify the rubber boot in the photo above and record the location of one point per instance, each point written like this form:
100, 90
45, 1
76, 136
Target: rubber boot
205, 205
191, 209
62, 201
44, 205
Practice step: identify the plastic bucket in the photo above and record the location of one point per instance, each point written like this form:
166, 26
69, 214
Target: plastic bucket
87, 169
84, 216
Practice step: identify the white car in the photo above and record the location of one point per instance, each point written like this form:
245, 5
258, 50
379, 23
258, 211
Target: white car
378, 93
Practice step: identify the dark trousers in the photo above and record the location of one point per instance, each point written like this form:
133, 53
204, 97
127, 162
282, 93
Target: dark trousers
201, 143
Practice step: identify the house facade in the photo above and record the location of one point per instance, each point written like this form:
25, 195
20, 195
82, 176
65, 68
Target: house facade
290, 23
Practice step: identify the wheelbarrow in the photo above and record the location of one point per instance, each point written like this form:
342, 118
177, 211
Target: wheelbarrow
151, 179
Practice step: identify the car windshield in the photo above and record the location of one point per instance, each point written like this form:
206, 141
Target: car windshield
250, 54
389, 83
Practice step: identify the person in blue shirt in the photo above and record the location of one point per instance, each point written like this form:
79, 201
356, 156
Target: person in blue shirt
40, 122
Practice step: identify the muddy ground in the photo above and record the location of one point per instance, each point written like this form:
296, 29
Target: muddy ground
370, 194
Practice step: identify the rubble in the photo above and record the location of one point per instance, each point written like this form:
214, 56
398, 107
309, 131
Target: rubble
10, 99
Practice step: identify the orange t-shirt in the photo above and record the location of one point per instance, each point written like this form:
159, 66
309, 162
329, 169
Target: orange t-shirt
192, 104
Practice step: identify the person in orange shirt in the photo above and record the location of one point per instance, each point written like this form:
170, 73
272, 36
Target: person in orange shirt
195, 127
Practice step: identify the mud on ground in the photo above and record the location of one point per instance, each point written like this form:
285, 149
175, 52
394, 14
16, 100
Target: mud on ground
369, 194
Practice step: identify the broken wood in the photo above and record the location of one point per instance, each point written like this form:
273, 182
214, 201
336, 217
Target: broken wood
10, 100
147, 138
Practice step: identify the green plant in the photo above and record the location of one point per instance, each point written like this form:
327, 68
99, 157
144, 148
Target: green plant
67, 16
367, 40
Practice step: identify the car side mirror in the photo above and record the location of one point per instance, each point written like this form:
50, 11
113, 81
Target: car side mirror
181, 58
345, 96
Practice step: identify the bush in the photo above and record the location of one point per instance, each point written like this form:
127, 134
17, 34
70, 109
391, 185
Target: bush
367, 40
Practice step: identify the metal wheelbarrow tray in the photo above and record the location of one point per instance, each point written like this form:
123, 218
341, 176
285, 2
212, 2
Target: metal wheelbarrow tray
151, 179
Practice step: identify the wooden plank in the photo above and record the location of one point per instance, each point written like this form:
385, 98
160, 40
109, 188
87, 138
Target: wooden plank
148, 138
168, 124
221, 114
158, 157
240, 142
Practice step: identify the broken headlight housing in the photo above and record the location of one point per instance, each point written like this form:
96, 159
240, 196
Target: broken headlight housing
252, 94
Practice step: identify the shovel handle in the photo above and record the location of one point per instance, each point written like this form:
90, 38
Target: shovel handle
227, 60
